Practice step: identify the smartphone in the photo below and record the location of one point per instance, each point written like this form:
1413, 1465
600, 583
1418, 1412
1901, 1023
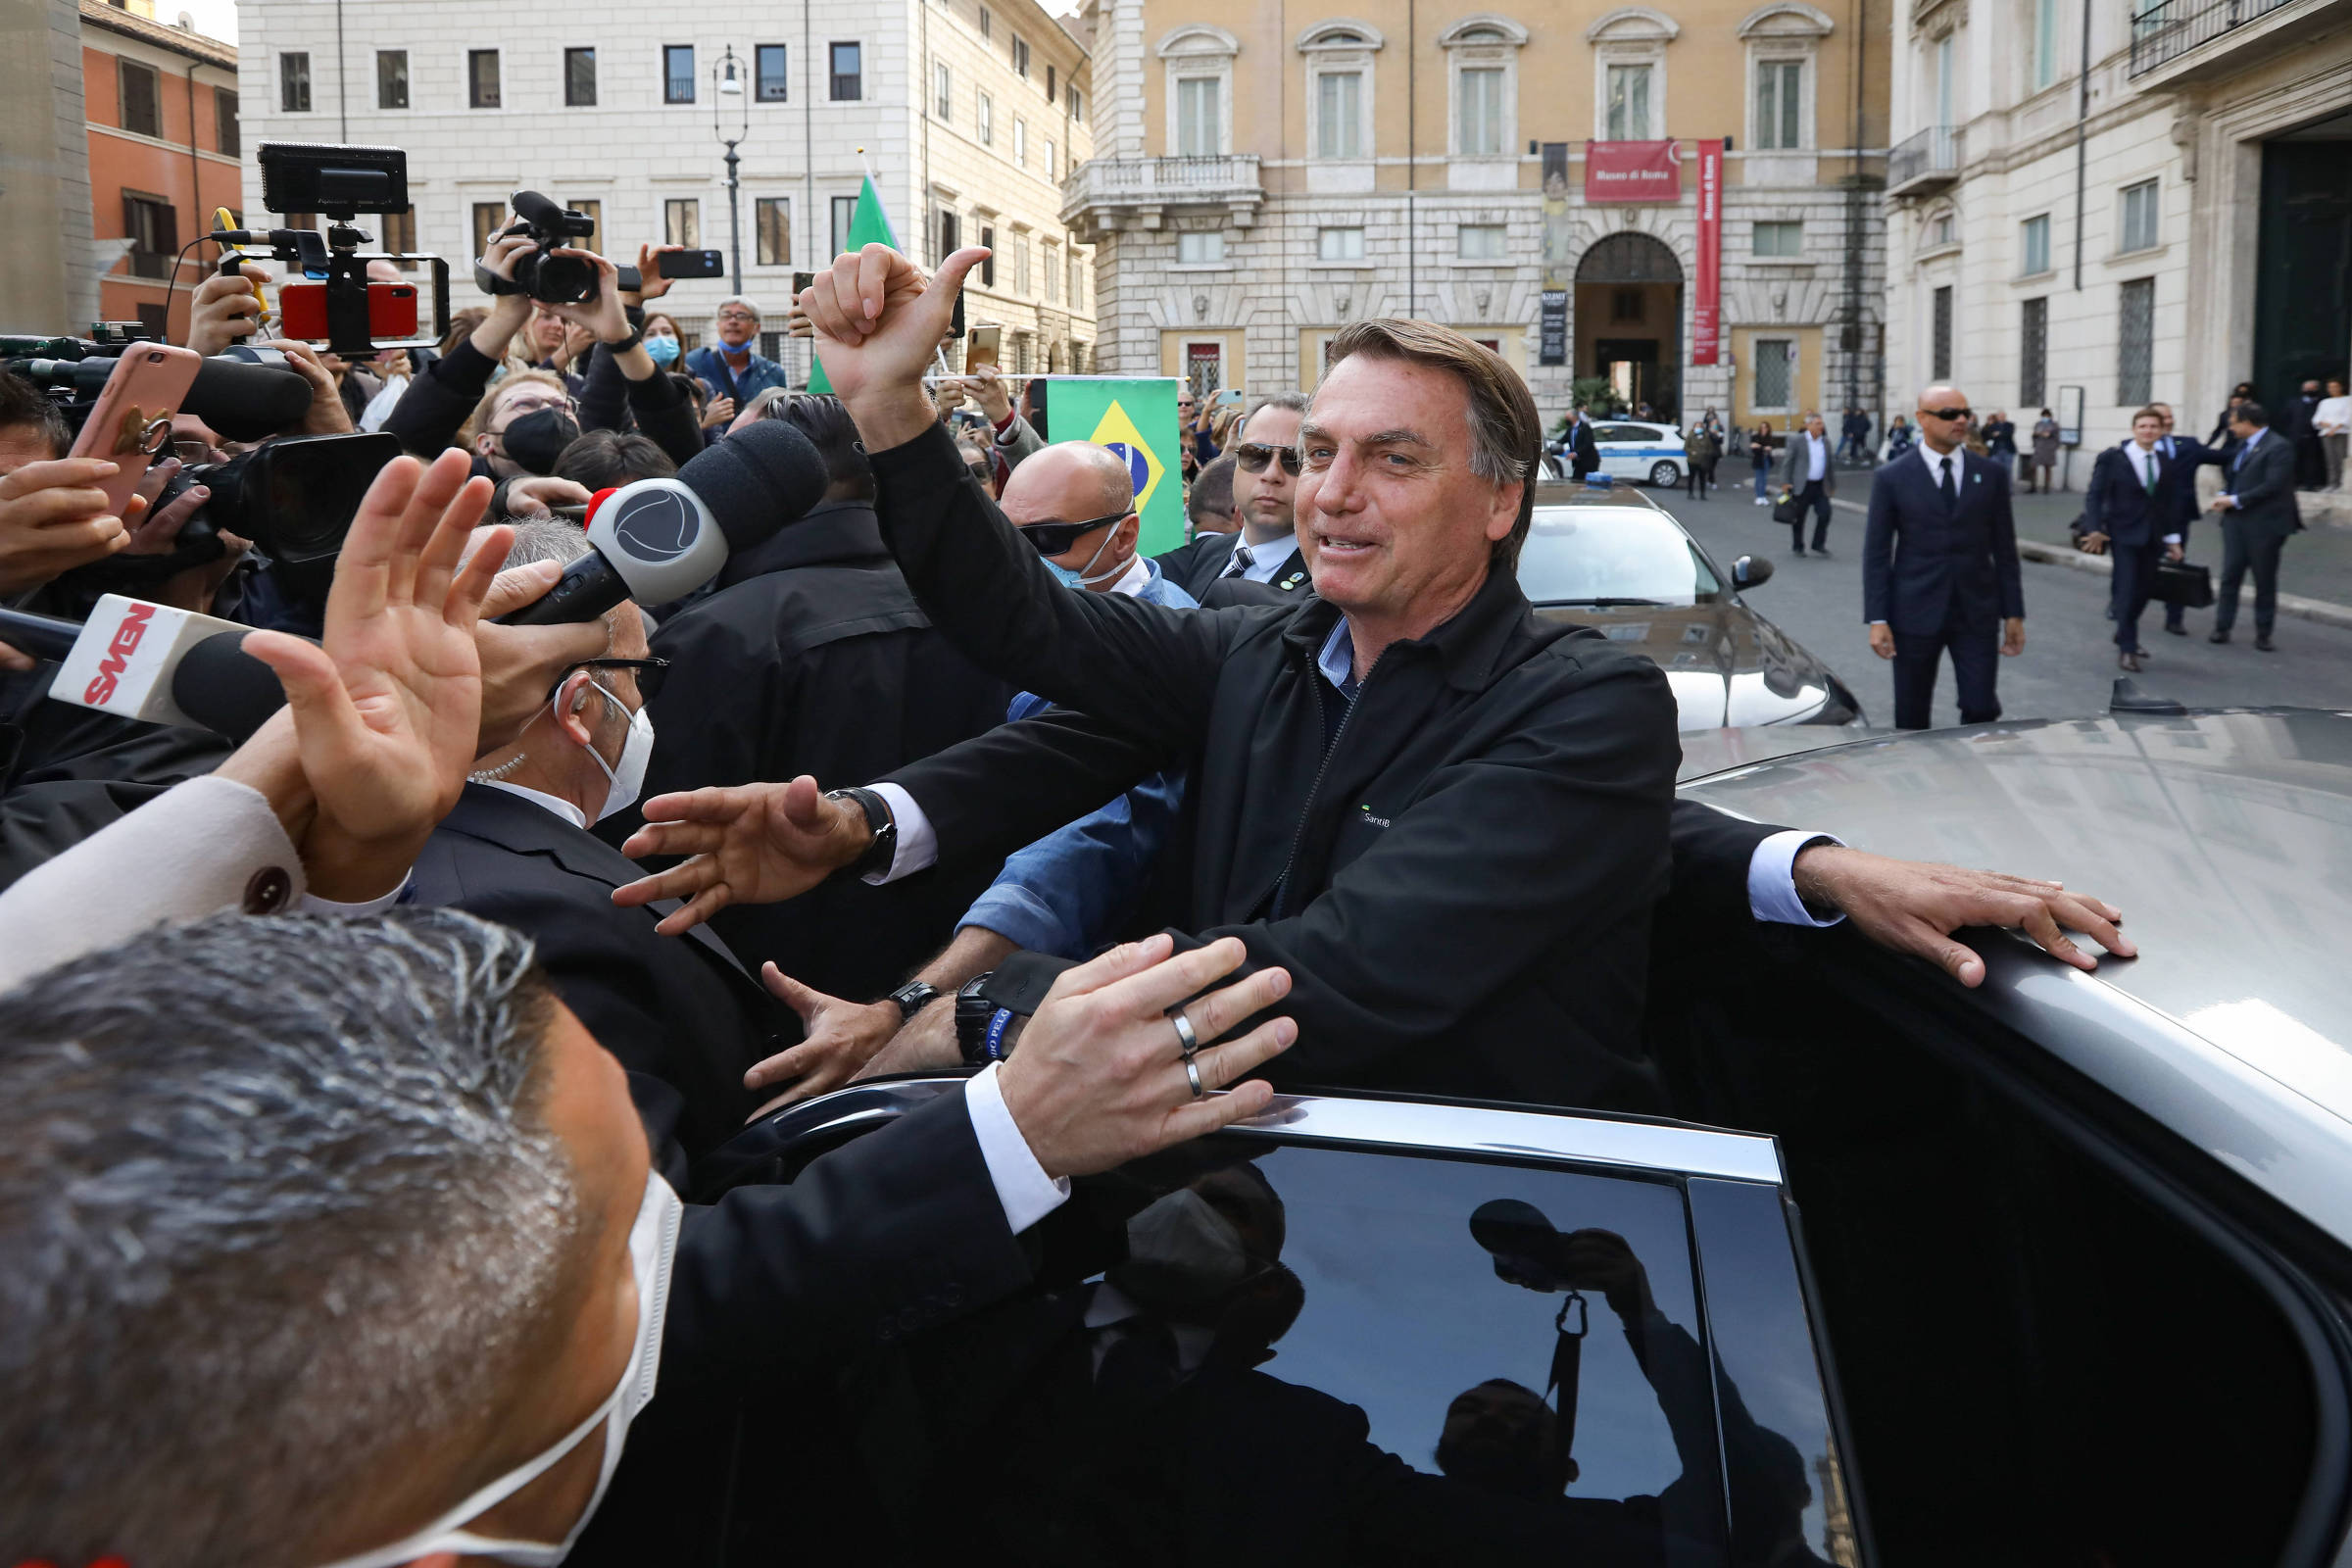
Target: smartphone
983, 345
132, 420
391, 310
1227, 398
693, 264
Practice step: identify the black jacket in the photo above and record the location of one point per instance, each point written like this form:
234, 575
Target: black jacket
774, 1287
655, 406
67, 772
439, 400
2263, 483
1462, 888
817, 660
1923, 562
681, 1014
1193, 567
2121, 505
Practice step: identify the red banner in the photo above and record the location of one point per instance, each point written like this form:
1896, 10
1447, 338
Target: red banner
1631, 172
1706, 311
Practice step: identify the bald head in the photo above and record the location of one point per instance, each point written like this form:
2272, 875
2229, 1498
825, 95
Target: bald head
1935, 402
1077, 481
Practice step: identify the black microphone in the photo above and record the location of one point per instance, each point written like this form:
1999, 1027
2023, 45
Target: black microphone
537, 211
243, 402
39, 635
657, 540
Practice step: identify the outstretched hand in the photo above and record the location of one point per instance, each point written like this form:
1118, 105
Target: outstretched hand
387, 705
1914, 906
748, 843
878, 320
840, 1037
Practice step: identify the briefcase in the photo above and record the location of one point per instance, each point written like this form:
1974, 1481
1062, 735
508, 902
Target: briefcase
1790, 508
2180, 583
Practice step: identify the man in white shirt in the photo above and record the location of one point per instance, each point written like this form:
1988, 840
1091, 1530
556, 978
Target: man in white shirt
1812, 477
2334, 422
1265, 492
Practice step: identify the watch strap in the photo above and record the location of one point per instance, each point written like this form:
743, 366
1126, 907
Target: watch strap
912, 998
884, 849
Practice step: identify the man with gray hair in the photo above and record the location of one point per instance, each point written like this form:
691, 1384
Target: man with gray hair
733, 367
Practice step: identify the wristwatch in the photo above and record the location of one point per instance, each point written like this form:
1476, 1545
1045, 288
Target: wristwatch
980, 1023
885, 846
912, 998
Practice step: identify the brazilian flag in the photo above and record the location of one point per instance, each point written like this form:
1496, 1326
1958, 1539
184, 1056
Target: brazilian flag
1135, 417
870, 223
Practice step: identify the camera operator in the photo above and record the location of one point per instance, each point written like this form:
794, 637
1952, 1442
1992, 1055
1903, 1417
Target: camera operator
617, 396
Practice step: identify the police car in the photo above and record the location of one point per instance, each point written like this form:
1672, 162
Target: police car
1635, 450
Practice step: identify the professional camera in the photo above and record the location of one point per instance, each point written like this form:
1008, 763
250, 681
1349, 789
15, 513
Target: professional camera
295, 498
544, 276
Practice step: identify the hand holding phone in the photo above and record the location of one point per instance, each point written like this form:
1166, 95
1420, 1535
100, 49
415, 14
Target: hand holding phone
132, 420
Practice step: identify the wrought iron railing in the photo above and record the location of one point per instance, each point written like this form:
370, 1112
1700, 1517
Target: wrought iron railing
2167, 29
1932, 151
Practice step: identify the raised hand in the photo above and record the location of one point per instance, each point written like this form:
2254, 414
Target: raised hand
387, 705
842, 1037
54, 517
1915, 906
748, 843
878, 320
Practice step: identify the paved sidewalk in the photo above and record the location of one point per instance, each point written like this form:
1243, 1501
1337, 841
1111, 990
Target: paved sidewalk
2315, 579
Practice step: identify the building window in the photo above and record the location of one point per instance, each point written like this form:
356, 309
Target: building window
772, 221
1020, 142
2140, 219
2045, 43
142, 112
1628, 91
1940, 336
943, 93
769, 62
294, 83
1053, 86
391, 78
1203, 367
1339, 113
1479, 128
2136, 343
1943, 230
481, 78
579, 78
229, 136
1074, 105
1052, 279
948, 228
1051, 173
2033, 359
2037, 246
1777, 238
1077, 296
1021, 57
988, 23
487, 216
845, 214
984, 119
153, 231
1480, 242
677, 73
594, 211
1945, 99
683, 222
849, 72
1774, 387
1780, 97
1201, 249
988, 263
1020, 264
1340, 245
1199, 115
398, 230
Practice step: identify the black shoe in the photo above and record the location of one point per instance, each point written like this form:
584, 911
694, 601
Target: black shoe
2176, 630
1823, 551
1799, 552
2128, 660
2218, 636
2263, 644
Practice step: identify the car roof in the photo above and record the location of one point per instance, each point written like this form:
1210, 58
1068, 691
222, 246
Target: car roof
1563, 500
2224, 837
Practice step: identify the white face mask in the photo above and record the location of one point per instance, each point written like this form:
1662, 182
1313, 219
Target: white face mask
625, 779
652, 1246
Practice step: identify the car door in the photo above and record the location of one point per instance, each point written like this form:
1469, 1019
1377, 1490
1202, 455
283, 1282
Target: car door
1621, 448
1371, 1331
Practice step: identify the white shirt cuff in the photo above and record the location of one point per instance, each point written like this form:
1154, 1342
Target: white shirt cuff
313, 904
1772, 879
918, 844
2172, 538
1022, 1186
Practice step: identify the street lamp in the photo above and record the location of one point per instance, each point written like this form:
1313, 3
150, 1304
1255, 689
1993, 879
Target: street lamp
727, 83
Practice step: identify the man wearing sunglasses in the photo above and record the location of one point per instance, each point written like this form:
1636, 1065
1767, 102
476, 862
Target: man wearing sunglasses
1940, 568
1265, 492
685, 1019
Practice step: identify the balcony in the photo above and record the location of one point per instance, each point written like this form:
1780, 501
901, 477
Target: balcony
1924, 162
1105, 195
2180, 41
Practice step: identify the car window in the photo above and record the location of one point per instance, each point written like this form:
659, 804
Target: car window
1620, 432
1311, 1353
1599, 554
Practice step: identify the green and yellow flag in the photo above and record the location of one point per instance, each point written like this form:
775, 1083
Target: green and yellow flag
869, 223
1135, 418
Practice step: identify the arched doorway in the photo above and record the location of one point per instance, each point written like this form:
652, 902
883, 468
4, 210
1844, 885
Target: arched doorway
1629, 320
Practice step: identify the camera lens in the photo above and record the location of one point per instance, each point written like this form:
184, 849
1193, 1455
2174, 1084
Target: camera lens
563, 280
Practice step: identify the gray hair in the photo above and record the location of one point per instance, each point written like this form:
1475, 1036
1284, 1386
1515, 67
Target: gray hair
749, 304
280, 1211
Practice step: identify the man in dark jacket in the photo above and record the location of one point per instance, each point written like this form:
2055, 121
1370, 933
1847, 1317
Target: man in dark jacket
2128, 510
2258, 512
815, 659
1447, 821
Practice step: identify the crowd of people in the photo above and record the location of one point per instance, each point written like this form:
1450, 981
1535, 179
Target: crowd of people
350, 1075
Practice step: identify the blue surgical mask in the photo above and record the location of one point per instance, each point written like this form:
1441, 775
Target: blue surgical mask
1085, 577
664, 350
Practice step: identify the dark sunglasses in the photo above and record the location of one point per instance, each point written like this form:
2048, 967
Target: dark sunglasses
1947, 413
1253, 457
1057, 538
649, 673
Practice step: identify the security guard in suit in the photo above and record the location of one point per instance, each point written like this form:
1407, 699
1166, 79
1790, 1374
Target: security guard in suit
1230, 569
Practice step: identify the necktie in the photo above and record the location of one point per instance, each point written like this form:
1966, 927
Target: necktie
1952, 492
2149, 479
1241, 562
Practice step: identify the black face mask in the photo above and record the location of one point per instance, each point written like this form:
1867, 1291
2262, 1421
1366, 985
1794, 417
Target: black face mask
539, 438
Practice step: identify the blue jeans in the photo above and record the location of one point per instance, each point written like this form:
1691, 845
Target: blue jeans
1763, 472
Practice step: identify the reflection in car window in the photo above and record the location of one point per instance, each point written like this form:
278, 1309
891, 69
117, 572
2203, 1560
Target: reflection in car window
1317, 1355
1597, 555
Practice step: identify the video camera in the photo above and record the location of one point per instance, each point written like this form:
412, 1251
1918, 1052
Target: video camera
549, 279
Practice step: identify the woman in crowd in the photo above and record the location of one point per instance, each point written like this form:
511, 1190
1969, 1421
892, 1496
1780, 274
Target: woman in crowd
2001, 439
1759, 455
1700, 451
2045, 454
1899, 438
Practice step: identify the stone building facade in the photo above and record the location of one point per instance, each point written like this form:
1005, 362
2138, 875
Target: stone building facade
1264, 177
618, 111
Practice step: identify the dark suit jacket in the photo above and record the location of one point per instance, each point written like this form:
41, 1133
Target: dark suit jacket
2262, 480
677, 1012
2189, 455
1194, 566
1923, 563
2121, 505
